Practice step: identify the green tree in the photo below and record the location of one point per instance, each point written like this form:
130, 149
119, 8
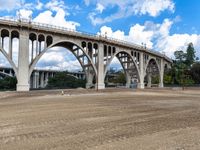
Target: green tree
195, 72
190, 55
181, 72
120, 78
8, 83
181, 68
179, 56
169, 76
64, 80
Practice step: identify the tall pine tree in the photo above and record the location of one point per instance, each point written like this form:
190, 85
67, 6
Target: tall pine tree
190, 55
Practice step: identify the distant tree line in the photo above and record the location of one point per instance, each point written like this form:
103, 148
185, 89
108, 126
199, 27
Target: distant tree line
185, 70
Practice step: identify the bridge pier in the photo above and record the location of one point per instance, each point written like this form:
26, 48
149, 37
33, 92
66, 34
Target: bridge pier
100, 69
42, 80
23, 62
141, 64
128, 81
161, 84
89, 77
149, 80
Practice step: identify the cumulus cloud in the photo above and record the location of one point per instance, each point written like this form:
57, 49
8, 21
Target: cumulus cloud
174, 42
59, 59
155, 36
128, 8
55, 14
59, 19
25, 14
9, 5
152, 7
55, 5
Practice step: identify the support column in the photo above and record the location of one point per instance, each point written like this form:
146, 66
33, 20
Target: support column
161, 85
10, 46
42, 80
149, 80
40, 46
0, 39
34, 80
2, 42
32, 50
128, 81
45, 43
10, 72
37, 79
90, 76
46, 78
36, 51
100, 68
23, 62
141, 63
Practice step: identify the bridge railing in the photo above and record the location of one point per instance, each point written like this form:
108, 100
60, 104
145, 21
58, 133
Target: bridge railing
81, 33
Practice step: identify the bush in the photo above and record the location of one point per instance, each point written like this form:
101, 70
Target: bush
62, 80
8, 83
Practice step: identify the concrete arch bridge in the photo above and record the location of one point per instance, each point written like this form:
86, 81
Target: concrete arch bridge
95, 53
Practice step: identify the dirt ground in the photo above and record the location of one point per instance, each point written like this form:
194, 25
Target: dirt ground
114, 119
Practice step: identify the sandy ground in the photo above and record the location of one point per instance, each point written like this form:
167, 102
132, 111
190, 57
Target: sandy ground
108, 120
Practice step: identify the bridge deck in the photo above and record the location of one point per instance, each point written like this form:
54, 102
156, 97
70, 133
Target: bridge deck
66, 31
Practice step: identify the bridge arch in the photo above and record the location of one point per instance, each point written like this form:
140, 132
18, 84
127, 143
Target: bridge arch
152, 69
82, 56
124, 63
14, 34
155, 64
6, 33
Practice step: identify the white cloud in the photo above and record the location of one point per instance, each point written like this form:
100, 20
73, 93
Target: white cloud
99, 8
175, 42
128, 8
138, 34
59, 19
59, 59
152, 7
55, 5
9, 5
39, 5
155, 36
25, 14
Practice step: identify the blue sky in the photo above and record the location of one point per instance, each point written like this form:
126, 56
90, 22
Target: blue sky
164, 25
